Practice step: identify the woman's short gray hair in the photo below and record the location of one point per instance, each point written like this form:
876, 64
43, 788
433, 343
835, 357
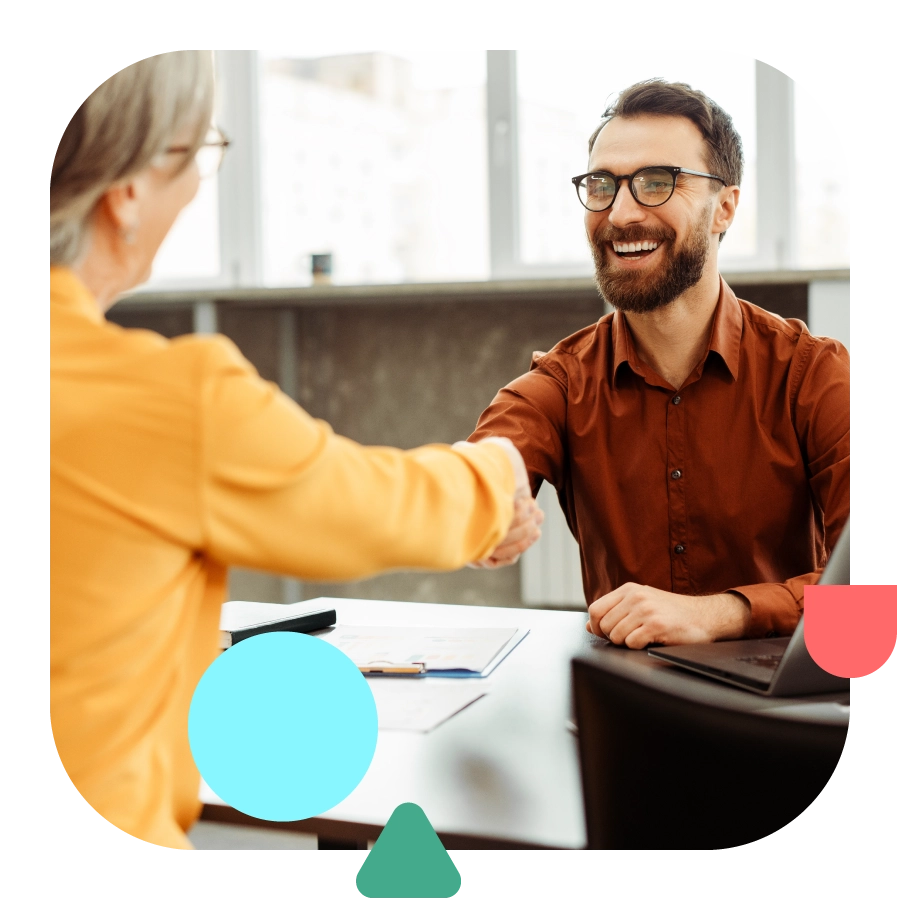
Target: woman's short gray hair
124, 124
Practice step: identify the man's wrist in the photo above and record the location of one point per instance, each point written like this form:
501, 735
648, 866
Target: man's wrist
733, 619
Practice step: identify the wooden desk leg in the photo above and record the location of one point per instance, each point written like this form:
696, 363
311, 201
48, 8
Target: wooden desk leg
330, 844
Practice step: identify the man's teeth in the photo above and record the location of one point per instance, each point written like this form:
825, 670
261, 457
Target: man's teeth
635, 247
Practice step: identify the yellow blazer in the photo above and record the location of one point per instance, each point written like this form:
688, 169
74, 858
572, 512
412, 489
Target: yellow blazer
169, 461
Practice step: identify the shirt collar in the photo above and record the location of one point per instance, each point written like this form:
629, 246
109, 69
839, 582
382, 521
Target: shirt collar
623, 348
724, 338
68, 291
728, 325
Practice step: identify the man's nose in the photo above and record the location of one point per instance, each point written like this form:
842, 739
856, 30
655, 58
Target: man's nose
625, 210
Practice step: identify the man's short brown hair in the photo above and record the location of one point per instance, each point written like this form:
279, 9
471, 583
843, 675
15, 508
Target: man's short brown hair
657, 97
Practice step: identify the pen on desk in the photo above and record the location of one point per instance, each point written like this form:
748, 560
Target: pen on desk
379, 667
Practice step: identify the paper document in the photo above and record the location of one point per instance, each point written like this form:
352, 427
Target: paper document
427, 651
417, 704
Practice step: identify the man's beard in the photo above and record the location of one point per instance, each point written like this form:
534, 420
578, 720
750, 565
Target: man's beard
639, 292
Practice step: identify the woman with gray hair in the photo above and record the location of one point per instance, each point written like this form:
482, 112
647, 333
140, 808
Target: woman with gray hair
172, 460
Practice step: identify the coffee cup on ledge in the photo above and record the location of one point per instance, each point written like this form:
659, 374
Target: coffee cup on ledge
321, 268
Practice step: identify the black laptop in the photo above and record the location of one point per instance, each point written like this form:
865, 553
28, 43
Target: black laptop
777, 667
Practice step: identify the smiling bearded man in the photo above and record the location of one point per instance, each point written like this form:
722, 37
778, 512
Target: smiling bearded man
699, 445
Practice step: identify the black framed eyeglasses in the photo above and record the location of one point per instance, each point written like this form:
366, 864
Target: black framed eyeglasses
210, 155
650, 186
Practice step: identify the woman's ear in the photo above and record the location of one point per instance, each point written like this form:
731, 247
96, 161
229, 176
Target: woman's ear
726, 207
120, 205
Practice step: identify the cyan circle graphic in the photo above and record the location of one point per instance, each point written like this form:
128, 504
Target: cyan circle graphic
283, 726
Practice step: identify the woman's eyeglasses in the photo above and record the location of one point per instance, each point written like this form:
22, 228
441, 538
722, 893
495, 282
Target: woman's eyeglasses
210, 155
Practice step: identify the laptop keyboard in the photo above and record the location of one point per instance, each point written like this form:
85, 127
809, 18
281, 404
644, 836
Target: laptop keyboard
767, 662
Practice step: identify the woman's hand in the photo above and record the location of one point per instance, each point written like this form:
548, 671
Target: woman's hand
524, 529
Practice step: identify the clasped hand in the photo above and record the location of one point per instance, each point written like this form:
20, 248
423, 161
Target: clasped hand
524, 529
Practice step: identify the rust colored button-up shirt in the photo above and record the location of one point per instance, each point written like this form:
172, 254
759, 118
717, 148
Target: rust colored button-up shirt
738, 481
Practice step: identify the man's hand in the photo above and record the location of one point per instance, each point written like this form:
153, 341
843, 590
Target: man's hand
523, 532
636, 615
527, 516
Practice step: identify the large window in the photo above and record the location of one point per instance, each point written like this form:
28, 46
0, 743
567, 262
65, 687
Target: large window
405, 166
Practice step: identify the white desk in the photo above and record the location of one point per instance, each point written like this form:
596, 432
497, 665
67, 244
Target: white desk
502, 773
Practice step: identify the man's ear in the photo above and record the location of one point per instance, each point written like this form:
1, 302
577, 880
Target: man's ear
726, 207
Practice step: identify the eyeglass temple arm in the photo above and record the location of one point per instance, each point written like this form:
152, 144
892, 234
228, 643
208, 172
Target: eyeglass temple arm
702, 174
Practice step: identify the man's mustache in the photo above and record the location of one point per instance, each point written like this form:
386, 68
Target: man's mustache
609, 234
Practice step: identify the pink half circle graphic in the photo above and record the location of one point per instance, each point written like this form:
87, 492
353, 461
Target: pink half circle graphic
850, 629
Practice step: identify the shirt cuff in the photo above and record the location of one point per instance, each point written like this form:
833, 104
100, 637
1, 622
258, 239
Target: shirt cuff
774, 611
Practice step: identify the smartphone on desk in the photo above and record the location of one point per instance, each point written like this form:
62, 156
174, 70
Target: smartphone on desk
304, 623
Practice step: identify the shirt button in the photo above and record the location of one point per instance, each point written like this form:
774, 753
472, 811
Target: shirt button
676, 474
679, 548
677, 399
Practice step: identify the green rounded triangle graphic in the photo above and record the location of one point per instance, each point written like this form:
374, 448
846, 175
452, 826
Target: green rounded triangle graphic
408, 860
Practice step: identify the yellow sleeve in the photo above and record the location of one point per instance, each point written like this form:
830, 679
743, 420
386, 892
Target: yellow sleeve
281, 491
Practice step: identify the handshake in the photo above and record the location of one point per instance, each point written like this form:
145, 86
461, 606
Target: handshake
527, 517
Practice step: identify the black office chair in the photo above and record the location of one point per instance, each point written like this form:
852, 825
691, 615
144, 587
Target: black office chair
661, 771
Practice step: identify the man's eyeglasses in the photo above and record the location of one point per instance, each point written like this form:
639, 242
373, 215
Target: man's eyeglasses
650, 186
210, 155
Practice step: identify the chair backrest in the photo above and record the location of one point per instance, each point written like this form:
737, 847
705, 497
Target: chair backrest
662, 771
